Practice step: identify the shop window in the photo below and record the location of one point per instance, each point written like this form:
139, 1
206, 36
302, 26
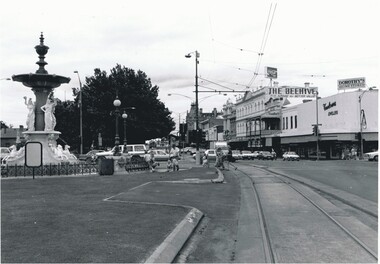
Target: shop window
286, 123
283, 123
295, 121
291, 122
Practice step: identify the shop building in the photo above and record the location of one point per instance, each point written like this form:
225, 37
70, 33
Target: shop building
342, 118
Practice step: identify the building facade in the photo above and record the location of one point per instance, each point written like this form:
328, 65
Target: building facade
340, 117
262, 120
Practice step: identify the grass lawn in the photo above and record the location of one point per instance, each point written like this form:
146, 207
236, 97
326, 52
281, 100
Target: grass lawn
65, 219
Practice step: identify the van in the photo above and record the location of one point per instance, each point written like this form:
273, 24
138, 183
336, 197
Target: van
137, 149
223, 145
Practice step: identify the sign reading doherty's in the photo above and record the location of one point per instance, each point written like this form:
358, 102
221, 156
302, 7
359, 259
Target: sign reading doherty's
351, 83
291, 91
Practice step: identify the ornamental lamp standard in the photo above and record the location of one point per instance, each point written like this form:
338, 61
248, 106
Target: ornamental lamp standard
117, 104
197, 156
124, 116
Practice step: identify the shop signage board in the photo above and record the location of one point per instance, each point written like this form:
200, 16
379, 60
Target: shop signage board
292, 92
352, 83
271, 72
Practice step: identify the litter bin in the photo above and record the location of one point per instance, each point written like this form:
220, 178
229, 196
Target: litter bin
106, 167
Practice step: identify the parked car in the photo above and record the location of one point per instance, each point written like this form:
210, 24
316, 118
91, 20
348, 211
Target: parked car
210, 154
265, 155
4, 152
291, 155
255, 154
90, 156
247, 155
236, 154
138, 150
160, 155
372, 156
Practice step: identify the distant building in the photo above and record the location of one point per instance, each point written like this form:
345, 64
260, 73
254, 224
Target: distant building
229, 120
11, 136
212, 129
191, 122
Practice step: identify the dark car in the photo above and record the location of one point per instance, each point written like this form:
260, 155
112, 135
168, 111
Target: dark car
90, 156
265, 155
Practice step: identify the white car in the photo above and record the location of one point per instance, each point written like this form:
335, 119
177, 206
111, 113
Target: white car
138, 149
291, 155
160, 155
237, 154
247, 155
372, 155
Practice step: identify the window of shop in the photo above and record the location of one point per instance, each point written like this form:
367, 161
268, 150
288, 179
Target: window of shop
295, 121
283, 123
286, 122
291, 122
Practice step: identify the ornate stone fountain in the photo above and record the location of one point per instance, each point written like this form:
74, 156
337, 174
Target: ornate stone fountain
41, 120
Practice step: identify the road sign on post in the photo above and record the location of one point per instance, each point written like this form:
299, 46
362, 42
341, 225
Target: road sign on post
33, 155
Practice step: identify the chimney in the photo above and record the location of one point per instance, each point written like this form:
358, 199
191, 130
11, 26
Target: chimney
307, 85
214, 112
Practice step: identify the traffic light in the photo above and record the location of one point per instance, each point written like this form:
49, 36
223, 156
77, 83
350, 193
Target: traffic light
315, 130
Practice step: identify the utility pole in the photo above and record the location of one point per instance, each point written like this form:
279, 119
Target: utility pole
317, 125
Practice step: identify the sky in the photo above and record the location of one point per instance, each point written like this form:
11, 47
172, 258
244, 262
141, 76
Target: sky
318, 42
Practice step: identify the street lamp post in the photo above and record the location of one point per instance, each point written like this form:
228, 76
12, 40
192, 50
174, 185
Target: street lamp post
317, 124
117, 103
124, 116
197, 156
80, 114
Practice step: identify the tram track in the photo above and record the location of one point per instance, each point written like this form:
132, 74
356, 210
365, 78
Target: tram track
299, 188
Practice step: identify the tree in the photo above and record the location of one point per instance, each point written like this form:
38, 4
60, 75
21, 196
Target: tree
150, 119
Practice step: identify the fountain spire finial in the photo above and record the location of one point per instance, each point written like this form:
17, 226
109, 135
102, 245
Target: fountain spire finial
41, 51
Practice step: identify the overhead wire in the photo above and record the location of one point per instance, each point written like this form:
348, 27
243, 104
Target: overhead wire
216, 84
263, 43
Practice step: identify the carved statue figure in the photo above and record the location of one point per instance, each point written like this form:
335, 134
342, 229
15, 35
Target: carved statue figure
67, 153
49, 109
31, 114
59, 153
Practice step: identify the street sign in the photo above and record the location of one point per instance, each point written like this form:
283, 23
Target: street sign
292, 91
33, 155
271, 72
352, 83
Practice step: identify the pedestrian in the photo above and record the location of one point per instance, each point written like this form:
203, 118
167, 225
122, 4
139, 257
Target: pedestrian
169, 165
229, 157
205, 161
174, 157
149, 157
219, 159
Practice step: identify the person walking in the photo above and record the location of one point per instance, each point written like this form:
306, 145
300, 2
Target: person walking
149, 157
229, 157
219, 159
174, 157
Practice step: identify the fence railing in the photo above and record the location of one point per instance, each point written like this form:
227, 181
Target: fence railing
66, 169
